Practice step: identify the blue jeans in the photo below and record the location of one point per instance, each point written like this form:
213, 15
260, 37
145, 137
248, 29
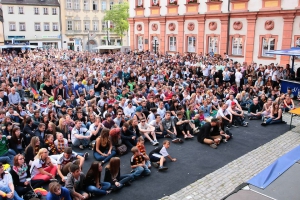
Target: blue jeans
272, 121
105, 159
7, 190
141, 171
83, 142
123, 179
11, 154
6, 159
15, 118
93, 189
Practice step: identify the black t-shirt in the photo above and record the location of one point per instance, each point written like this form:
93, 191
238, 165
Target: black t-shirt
5, 100
48, 89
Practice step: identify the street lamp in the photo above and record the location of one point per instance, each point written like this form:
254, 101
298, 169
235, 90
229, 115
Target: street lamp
88, 40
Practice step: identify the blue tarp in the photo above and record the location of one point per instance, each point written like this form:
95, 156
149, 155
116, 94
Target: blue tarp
294, 51
273, 171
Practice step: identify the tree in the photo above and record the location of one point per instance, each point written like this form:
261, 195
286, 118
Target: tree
119, 16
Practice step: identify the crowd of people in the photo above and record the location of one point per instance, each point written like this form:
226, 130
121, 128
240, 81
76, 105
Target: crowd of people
52, 101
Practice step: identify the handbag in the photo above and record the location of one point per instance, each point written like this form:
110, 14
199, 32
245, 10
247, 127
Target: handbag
122, 149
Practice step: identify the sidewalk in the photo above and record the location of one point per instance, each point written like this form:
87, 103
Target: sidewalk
223, 181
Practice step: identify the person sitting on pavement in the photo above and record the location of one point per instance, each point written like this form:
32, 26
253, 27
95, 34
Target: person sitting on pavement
225, 116
157, 156
237, 114
80, 136
75, 183
275, 117
170, 128
182, 125
146, 130
7, 188
141, 146
210, 134
65, 160
138, 164
128, 137
254, 111
267, 107
57, 192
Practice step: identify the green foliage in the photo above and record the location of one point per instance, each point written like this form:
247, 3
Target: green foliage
119, 16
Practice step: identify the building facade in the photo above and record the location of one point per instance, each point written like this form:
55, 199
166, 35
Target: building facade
83, 27
244, 29
34, 22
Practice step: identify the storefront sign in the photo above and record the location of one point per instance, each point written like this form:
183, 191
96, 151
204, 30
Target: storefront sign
50, 36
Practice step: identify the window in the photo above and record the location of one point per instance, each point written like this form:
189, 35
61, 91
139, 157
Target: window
213, 44
77, 26
69, 4
69, 25
140, 43
139, 3
297, 41
22, 26
103, 25
86, 25
10, 10
237, 46
85, 5
12, 26
103, 5
55, 26
111, 4
172, 43
46, 26
76, 4
54, 11
111, 25
45, 11
37, 26
191, 44
21, 10
95, 25
268, 44
95, 5
36, 11
103, 42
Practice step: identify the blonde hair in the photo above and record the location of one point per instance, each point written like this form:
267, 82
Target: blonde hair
39, 154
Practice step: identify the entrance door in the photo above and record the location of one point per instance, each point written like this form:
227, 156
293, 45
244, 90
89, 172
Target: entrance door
155, 44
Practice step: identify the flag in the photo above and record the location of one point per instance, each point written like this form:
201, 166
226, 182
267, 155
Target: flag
35, 93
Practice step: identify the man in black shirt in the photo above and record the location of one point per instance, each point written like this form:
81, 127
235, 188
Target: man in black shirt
210, 134
4, 98
254, 110
47, 89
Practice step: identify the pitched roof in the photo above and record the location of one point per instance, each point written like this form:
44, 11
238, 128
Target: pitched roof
32, 2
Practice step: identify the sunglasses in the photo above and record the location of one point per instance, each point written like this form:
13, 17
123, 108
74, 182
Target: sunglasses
143, 121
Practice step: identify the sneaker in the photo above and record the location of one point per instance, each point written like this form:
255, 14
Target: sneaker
86, 155
175, 140
224, 140
250, 118
180, 140
153, 143
81, 147
167, 136
162, 168
235, 126
156, 141
245, 124
214, 146
154, 164
263, 124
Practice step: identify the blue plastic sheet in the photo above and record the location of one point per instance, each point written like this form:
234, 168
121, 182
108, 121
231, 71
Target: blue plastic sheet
273, 171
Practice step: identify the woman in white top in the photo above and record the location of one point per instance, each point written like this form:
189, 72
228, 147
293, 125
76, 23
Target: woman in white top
7, 188
238, 77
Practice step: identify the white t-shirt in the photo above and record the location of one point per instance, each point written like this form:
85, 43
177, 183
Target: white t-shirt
6, 179
161, 112
238, 76
35, 166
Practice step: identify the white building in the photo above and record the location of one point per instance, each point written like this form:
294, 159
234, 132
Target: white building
36, 22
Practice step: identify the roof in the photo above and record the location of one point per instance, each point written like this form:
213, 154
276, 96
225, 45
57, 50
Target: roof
31, 2
294, 51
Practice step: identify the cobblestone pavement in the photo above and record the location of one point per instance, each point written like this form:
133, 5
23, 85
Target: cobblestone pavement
223, 181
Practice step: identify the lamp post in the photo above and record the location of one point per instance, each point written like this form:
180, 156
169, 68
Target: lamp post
88, 40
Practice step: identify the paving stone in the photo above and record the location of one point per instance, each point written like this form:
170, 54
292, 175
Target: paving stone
227, 178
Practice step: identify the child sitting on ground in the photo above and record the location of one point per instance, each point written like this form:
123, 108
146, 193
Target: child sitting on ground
75, 183
157, 156
141, 146
138, 165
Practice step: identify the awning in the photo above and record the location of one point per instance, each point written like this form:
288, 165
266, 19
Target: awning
108, 47
294, 51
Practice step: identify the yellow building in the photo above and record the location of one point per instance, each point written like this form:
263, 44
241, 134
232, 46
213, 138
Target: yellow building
83, 27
